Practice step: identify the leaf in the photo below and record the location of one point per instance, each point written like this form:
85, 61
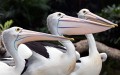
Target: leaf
7, 24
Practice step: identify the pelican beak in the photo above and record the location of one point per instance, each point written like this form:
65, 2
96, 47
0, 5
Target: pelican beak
93, 17
74, 26
27, 36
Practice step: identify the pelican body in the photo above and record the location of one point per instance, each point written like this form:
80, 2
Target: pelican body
91, 64
12, 38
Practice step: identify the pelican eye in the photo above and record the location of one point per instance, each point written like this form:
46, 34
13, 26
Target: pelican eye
84, 12
59, 14
17, 30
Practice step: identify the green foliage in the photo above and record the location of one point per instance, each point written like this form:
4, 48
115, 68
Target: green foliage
25, 13
112, 13
112, 36
6, 25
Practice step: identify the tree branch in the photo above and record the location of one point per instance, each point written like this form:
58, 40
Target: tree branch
82, 46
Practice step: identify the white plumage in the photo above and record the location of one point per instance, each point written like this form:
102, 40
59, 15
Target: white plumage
91, 64
14, 36
9, 37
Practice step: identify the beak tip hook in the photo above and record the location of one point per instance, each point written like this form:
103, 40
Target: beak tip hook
72, 39
116, 25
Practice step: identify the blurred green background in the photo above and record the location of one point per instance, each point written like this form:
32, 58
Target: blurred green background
32, 14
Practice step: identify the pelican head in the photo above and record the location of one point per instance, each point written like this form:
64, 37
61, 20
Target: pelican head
82, 13
19, 35
86, 14
59, 23
53, 21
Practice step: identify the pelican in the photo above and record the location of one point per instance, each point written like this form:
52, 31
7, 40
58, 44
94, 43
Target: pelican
14, 36
91, 64
57, 30
60, 29
86, 14
57, 62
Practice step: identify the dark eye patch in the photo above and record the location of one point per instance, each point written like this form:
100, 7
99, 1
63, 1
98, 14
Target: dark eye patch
84, 11
59, 14
18, 29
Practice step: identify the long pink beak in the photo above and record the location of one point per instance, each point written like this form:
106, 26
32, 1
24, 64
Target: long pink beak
27, 36
74, 26
93, 17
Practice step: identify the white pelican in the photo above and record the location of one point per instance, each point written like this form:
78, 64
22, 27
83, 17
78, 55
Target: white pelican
55, 62
60, 29
57, 30
86, 14
91, 64
14, 36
